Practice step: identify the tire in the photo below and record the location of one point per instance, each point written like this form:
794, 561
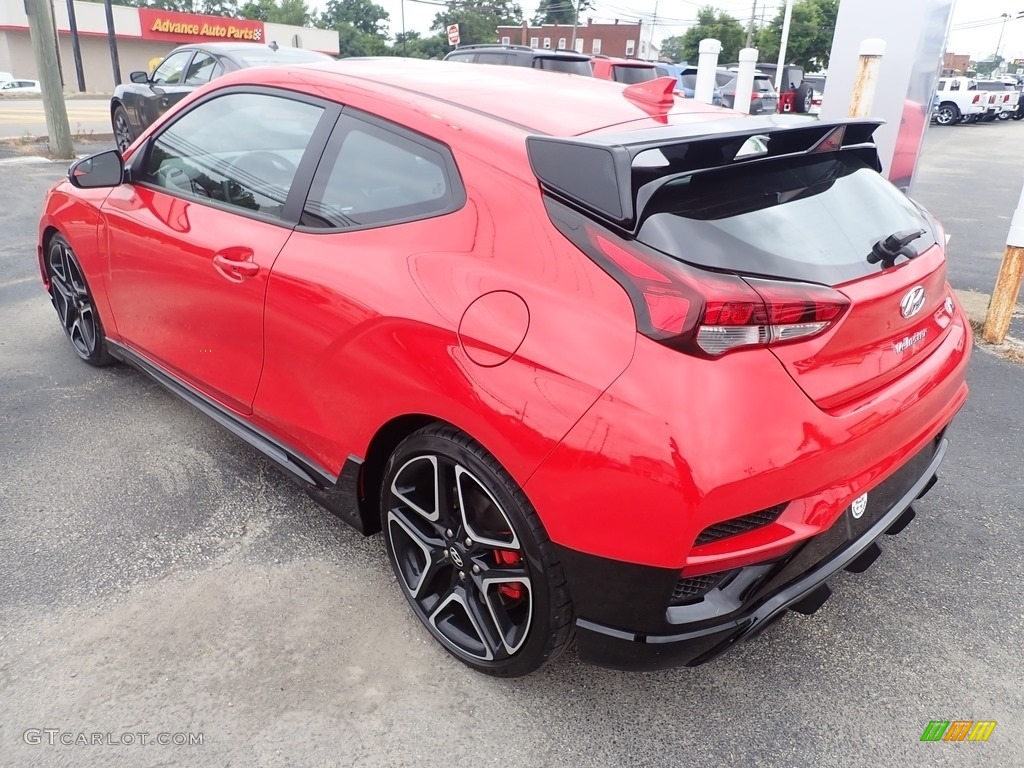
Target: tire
123, 133
1004, 115
947, 114
446, 561
804, 98
76, 310
989, 118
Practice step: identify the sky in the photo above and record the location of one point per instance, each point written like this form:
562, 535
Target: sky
976, 23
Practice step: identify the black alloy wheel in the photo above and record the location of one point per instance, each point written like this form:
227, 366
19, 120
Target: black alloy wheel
73, 301
471, 555
123, 134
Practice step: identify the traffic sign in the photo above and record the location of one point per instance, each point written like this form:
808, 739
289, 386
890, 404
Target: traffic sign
453, 34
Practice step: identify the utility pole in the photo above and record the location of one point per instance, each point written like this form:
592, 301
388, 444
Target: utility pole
76, 45
786, 18
112, 41
650, 36
575, 22
750, 27
40, 27
1007, 288
999, 45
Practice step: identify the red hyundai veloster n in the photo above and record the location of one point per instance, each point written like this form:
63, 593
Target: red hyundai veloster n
602, 365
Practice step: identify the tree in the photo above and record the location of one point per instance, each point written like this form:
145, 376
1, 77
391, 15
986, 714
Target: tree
294, 12
810, 34
227, 8
988, 65
559, 11
719, 25
479, 20
672, 48
364, 15
419, 47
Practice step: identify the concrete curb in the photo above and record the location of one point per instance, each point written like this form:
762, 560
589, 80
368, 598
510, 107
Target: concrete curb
975, 304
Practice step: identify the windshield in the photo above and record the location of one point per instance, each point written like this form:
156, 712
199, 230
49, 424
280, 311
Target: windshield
563, 64
627, 74
263, 56
814, 218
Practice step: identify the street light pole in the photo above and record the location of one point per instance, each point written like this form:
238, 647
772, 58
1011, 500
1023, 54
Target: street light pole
1002, 29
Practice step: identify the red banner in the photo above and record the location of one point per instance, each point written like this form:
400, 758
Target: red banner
190, 27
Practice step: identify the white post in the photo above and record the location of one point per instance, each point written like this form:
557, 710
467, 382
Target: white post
707, 63
783, 44
745, 80
863, 97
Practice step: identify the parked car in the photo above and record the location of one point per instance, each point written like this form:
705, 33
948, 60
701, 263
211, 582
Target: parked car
623, 70
1005, 94
137, 104
12, 87
796, 94
817, 83
687, 78
764, 99
633, 372
568, 62
959, 100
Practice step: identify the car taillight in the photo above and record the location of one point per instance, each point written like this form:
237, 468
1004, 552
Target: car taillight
703, 312
976, 99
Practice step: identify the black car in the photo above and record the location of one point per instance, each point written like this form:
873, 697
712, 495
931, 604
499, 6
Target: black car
137, 104
523, 56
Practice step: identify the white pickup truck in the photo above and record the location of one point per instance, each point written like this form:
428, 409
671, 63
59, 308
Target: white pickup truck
1007, 96
959, 100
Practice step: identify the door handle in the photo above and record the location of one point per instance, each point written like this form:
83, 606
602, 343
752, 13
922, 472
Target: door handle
235, 263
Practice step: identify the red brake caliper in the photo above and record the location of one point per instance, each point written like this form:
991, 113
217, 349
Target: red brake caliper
506, 557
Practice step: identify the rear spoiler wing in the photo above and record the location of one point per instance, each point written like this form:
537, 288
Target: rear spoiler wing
598, 174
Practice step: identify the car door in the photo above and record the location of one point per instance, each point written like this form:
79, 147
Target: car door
166, 87
192, 240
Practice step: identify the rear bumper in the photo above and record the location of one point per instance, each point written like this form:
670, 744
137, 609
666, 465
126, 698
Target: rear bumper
611, 595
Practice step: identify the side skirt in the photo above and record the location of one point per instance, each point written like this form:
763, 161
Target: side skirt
339, 495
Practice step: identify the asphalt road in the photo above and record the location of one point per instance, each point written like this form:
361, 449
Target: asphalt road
156, 575
21, 117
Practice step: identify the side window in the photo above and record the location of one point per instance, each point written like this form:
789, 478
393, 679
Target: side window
463, 57
172, 70
240, 149
203, 69
370, 176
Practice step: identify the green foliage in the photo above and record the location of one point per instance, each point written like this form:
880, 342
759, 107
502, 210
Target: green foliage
715, 24
353, 42
988, 66
559, 11
810, 34
418, 47
672, 49
479, 20
365, 16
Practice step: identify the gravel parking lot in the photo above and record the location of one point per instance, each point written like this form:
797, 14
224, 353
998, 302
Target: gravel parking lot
157, 576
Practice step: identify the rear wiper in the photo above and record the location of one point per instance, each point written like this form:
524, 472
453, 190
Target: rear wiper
887, 249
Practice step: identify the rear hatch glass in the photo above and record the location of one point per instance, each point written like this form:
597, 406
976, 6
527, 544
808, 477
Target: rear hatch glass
626, 74
815, 219
564, 64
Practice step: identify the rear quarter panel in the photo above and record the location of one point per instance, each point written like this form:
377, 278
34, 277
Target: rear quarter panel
352, 343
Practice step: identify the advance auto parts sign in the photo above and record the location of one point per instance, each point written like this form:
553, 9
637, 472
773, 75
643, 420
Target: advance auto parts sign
189, 27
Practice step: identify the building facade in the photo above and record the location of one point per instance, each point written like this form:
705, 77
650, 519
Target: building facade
142, 35
955, 64
626, 40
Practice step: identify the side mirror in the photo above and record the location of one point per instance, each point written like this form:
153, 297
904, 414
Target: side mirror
139, 77
105, 169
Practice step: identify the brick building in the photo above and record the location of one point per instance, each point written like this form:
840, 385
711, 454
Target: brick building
625, 39
955, 64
